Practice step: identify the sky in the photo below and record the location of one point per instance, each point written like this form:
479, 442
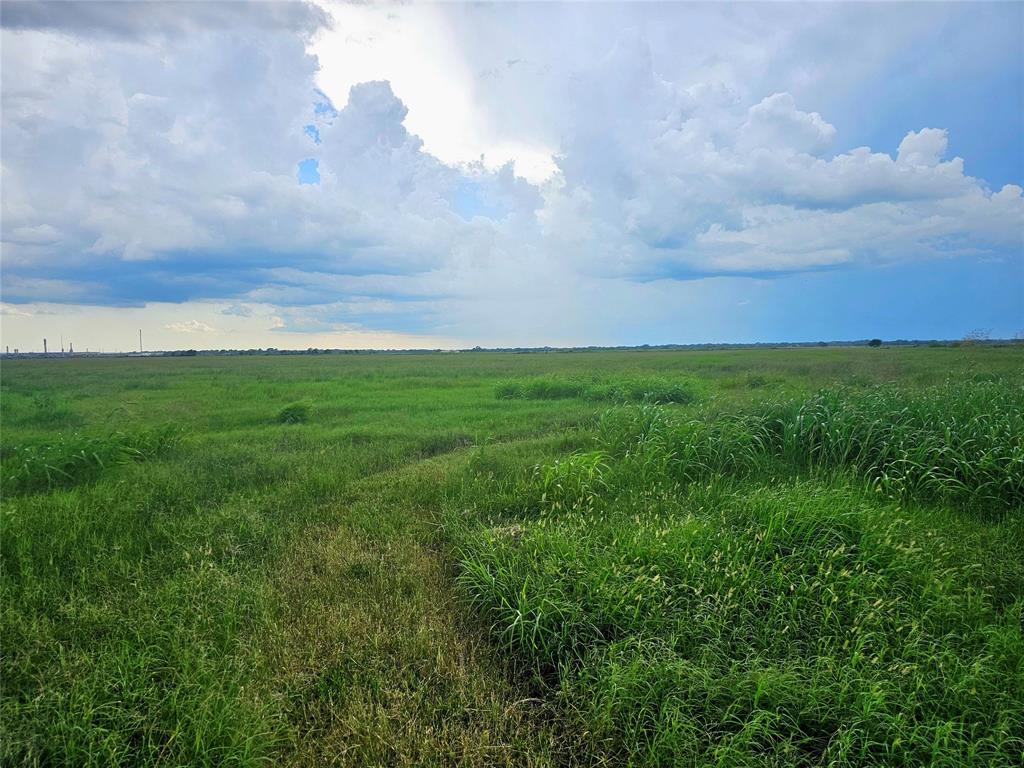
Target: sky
293, 175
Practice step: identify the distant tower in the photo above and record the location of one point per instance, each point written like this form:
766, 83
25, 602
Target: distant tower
44, 345
71, 348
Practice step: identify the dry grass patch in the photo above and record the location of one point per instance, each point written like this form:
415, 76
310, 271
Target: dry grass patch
379, 666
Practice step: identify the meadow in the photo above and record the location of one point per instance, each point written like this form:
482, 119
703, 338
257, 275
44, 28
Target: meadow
771, 557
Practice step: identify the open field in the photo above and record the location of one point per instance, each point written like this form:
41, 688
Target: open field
759, 557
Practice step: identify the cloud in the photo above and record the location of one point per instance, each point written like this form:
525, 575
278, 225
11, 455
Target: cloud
689, 182
776, 124
190, 326
923, 148
12, 310
105, 18
141, 166
42, 234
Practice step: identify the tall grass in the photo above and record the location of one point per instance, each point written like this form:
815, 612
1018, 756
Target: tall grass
646, 389
962, 441
774, 587
786, 626
959, 442
72, 459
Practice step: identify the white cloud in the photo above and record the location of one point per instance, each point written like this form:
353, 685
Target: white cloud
114, 329
690, 182
414, 48
776, 124
923, 148
147, 166
13, 310
190, 326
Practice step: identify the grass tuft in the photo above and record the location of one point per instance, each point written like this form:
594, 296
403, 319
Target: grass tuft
73, 459
294, 413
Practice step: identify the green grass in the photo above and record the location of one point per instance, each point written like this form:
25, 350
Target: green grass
626, 390
700, 591
956, 442
765, 557
72, 459
294, 413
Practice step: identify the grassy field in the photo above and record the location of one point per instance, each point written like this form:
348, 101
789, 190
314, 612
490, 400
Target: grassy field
738, 558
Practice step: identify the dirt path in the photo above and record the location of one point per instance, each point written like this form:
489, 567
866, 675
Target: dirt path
379, 666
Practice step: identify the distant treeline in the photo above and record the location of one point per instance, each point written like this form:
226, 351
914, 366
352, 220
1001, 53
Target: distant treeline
533, 350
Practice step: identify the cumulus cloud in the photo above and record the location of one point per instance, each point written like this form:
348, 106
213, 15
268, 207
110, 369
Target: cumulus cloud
140, 166
923, 148
691, 183
776, 124
190, 326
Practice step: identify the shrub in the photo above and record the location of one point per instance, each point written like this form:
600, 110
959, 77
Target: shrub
294, 413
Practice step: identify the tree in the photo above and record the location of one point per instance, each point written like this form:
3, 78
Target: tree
875, 343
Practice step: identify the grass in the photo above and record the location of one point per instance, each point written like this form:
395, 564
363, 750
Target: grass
770, 557
72, 459
626, 390
958, 442
294, 413
706, 591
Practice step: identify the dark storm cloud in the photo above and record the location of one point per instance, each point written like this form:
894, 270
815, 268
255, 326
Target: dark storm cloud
143, 19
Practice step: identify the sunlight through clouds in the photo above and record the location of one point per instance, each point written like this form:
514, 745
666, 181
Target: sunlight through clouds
452, 172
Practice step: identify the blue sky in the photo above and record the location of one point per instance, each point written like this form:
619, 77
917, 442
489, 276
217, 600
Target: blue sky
967, 78
411, 175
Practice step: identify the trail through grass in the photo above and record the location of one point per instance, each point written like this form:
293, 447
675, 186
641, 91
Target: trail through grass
380, 666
